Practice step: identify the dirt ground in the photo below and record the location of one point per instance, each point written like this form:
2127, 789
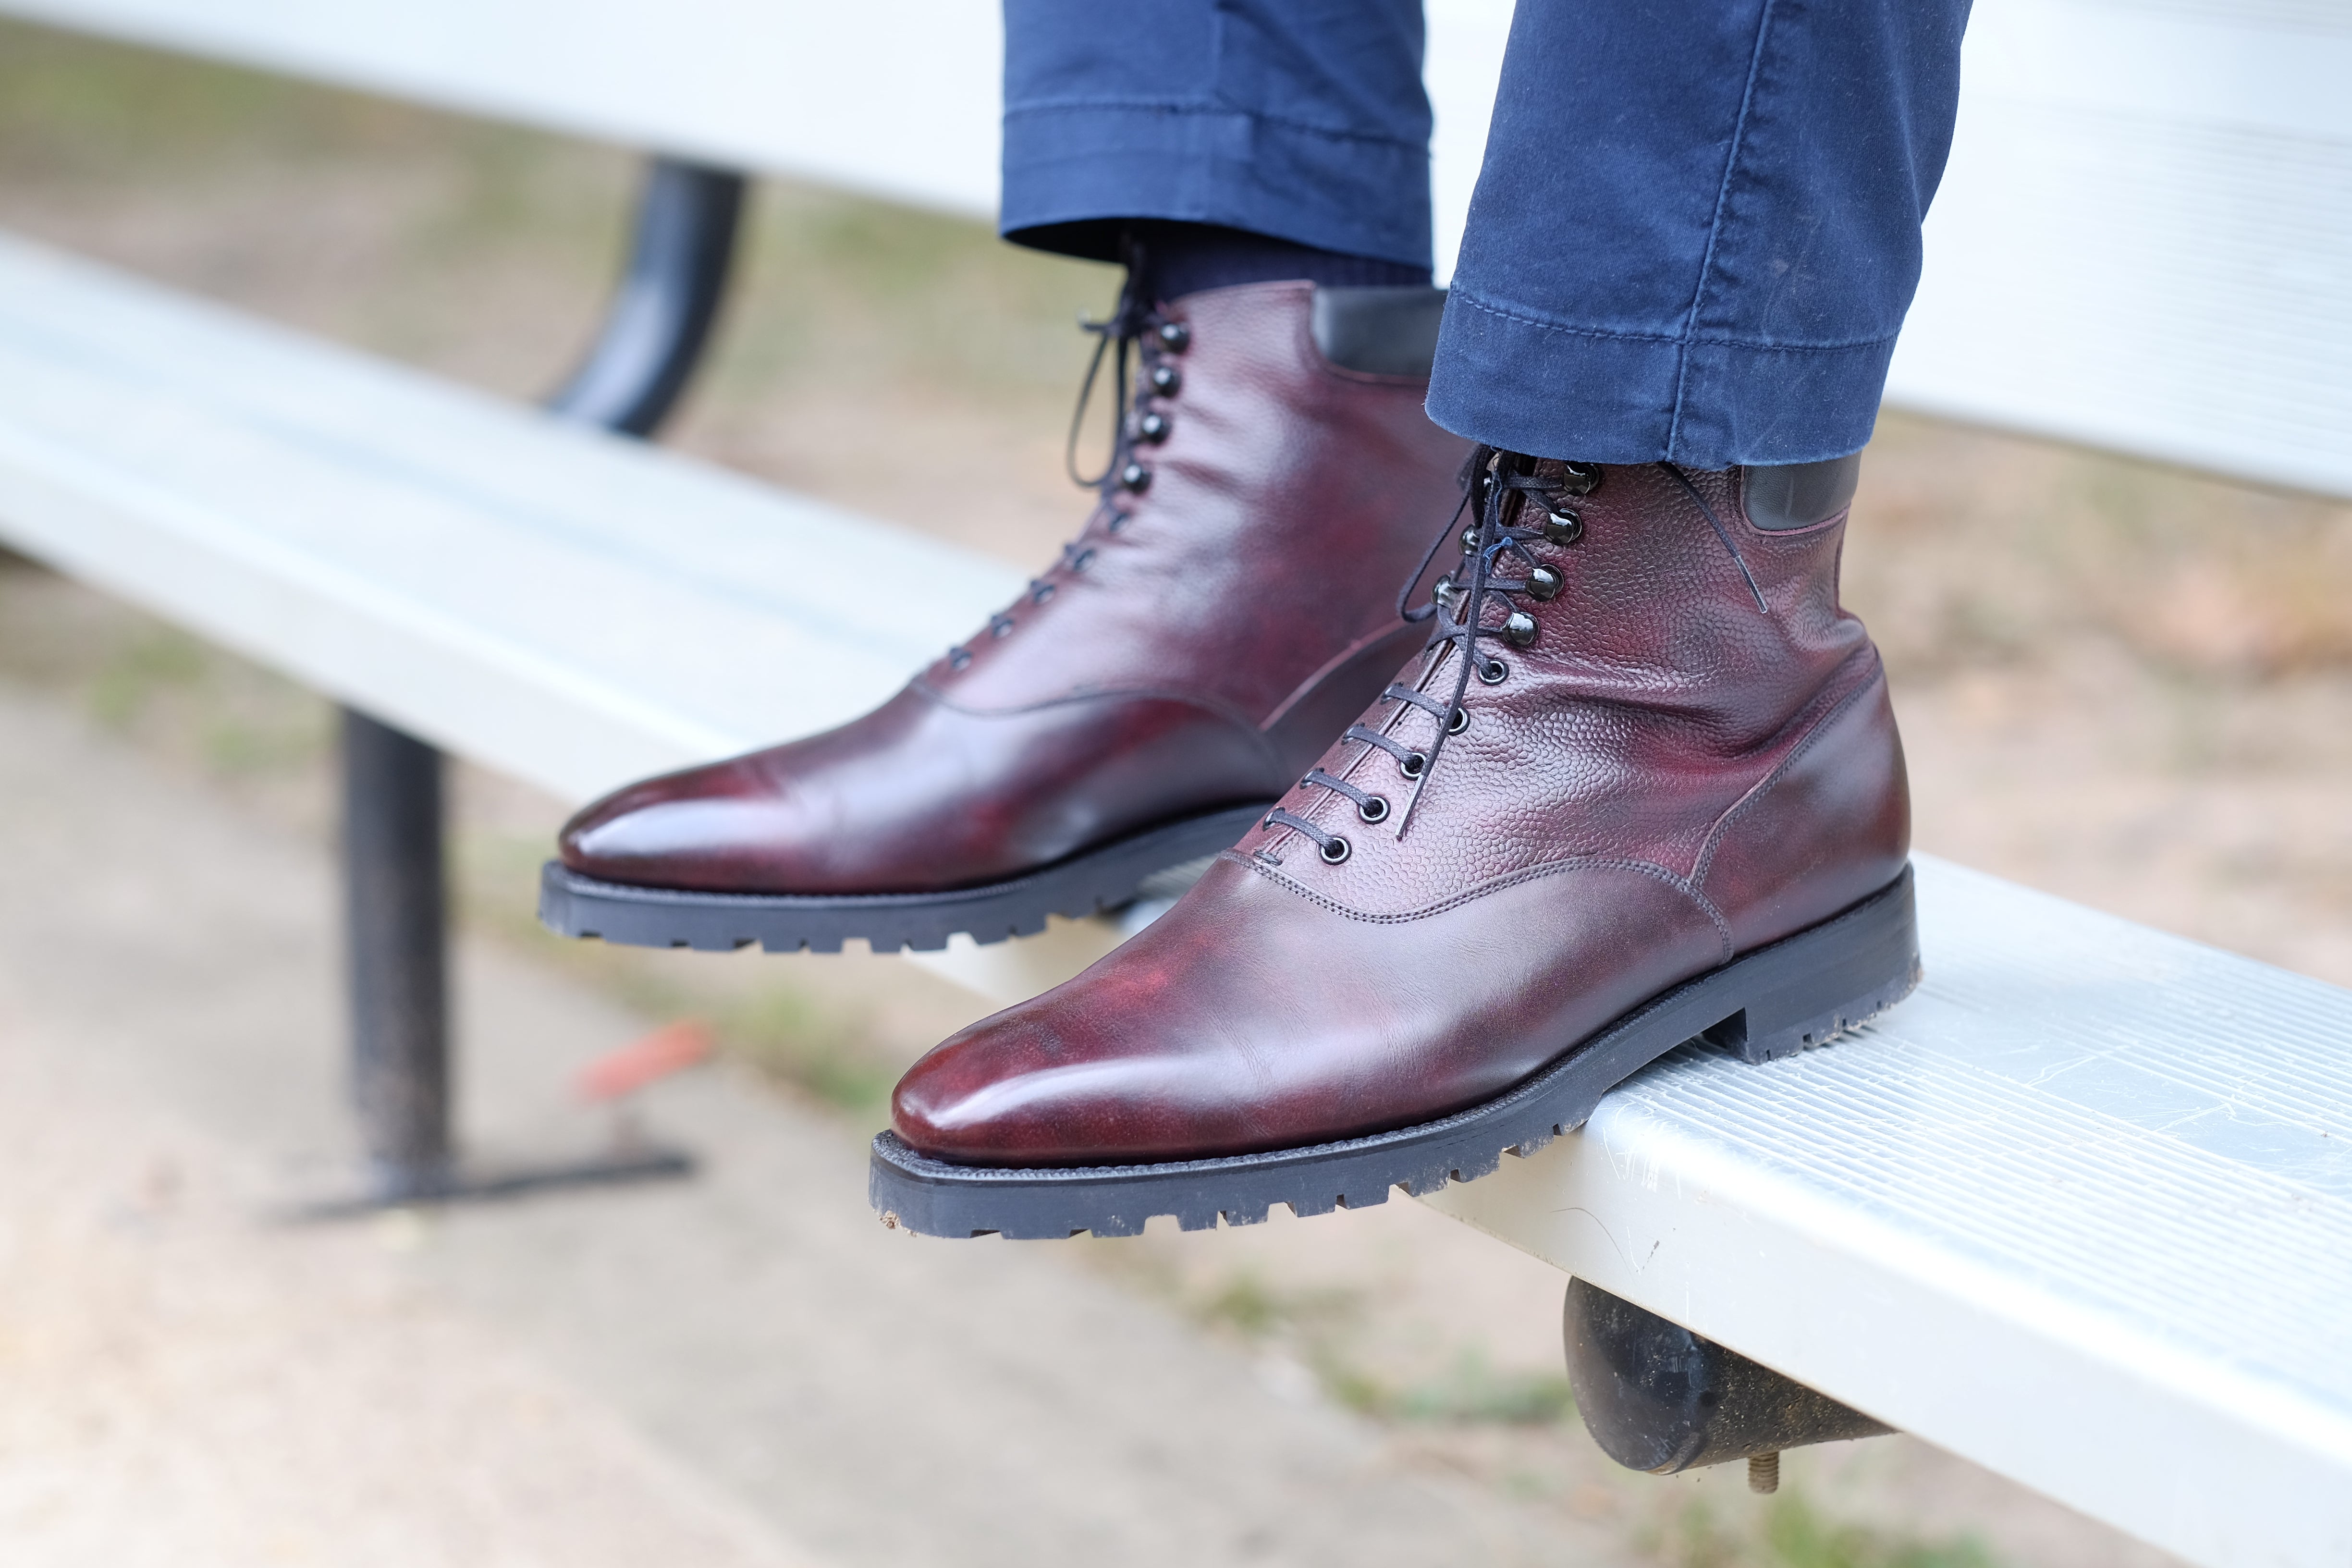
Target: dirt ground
2129, 685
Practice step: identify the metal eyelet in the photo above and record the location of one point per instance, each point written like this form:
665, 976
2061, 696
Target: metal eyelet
1563, 527
1544, 585
1519, 628
1002, 629
1494, 672
1449, 593
958, 658
1175, 337
1119, 519
1136, 477
1167, 380
1082, 560
1041, 593
1579, 479
1470, 540
1412, 765
1459, 723
1374, 809
1152, 428
1333, 851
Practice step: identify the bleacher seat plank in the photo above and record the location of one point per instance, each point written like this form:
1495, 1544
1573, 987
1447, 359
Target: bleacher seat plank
2144, 241
2080, 1210
888, 98
2140, 243
573, 608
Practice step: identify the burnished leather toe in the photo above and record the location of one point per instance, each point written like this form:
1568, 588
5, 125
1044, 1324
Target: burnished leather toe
716, 828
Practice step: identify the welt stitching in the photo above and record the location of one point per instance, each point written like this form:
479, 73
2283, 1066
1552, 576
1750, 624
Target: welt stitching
1725, 341
1765, 346
1528, 319
1157, 107
1533, 873
1764, 784
1715, 229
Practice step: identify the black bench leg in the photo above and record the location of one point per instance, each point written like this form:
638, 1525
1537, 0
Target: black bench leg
396, 938
395, 917
395, 924
681, 250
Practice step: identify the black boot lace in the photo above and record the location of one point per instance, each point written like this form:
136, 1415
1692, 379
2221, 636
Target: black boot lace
1460, 606
1133, 329
1134, 332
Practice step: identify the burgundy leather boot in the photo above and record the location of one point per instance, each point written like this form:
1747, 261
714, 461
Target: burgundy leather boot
1643, 785
1230, 605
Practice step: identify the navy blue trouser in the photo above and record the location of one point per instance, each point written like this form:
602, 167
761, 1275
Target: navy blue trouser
1694, 239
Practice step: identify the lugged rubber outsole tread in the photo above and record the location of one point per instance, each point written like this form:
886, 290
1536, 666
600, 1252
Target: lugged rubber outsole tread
1800, 992
572, 904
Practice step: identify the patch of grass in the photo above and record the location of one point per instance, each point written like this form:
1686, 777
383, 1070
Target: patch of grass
240, 746
1246, 1305
1800, 1536
1791, 1532
1700, 1539
818, 1050
1316, 1326
73, 107
1474, 1391
827, 1052
159, 659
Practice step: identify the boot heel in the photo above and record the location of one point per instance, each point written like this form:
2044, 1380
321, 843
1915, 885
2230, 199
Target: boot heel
1808, 989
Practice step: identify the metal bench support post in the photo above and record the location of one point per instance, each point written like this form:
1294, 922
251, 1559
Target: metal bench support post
395, 929
395, 901
660, 318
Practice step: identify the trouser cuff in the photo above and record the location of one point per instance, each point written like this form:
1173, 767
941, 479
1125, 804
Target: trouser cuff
1552, 389
1068, 169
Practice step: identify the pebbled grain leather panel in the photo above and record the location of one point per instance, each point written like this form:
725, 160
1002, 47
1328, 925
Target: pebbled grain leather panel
1655, 695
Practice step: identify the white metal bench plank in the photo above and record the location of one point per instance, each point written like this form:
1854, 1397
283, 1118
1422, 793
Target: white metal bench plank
572, 607
895, 98
2080, 1210
2144, 241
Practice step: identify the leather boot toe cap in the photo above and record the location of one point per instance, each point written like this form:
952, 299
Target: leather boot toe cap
1008, 1092
705, 830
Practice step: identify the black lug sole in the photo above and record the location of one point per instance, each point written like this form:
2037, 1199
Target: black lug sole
1799, 992
573, 905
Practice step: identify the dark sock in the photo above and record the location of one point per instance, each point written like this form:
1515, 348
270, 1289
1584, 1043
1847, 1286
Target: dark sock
1183, 258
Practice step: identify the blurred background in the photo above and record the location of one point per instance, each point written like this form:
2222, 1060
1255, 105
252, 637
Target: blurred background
2124, 684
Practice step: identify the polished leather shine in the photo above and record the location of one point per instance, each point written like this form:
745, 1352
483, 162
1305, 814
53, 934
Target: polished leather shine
1671, 774
1197, 648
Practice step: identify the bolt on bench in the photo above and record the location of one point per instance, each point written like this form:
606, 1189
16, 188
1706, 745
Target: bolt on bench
2082, 1211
